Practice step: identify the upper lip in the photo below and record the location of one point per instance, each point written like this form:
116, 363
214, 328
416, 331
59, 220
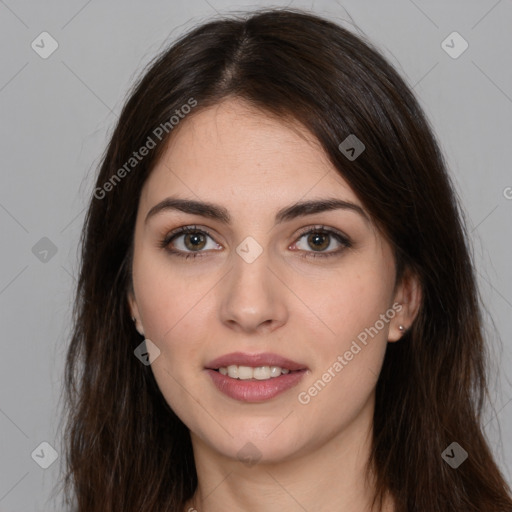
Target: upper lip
254, 360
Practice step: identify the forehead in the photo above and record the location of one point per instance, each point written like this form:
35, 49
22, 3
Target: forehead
235, 153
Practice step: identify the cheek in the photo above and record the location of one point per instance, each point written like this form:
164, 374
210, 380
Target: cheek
351, 339
349, 302
347, 358
178, 370
173, 310
170, 301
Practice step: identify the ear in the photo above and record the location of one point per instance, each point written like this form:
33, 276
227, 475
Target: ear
134, 312
408, 295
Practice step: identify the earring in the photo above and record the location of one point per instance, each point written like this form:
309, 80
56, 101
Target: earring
401, 328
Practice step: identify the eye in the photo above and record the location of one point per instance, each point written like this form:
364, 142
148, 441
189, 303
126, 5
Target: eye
193, 241
321, 238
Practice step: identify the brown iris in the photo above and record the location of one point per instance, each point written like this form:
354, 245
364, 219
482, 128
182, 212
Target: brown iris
316, 237
197, 240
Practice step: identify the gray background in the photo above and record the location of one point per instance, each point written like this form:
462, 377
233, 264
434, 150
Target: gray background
57, 113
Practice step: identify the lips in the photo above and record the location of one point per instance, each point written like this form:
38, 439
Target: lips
255, 390
254, 360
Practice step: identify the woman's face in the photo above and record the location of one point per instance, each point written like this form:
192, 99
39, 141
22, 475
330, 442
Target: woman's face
255, 288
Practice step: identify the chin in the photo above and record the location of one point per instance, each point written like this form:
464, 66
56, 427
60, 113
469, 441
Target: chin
269, 441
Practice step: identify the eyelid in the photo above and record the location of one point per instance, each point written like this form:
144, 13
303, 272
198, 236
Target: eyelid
192, 228
325, 229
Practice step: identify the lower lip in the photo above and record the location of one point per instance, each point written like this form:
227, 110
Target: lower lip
255, 390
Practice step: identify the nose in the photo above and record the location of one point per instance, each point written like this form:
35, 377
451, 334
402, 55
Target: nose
253, 297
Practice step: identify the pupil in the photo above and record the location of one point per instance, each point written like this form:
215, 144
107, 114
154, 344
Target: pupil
315, 238
196, 240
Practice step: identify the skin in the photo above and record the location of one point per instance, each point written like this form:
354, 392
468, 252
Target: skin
306, 309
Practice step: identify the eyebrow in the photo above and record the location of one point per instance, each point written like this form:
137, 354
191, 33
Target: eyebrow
221, 214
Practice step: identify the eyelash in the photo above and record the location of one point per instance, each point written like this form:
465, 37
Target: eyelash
308, 254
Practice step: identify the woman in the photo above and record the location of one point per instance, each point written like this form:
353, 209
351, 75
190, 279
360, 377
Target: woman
276, 307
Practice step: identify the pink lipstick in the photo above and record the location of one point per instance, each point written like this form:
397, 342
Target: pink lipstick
254, 377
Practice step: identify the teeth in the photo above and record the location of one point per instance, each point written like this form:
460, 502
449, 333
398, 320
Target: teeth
233, 371
275, 371
244, 372
247, 372
261, 372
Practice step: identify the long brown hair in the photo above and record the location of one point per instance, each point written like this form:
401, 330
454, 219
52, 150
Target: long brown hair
125, 448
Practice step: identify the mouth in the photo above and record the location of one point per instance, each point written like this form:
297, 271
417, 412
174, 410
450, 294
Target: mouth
254, 377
